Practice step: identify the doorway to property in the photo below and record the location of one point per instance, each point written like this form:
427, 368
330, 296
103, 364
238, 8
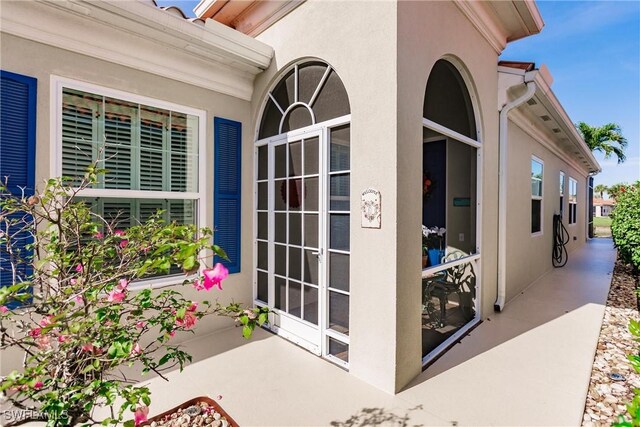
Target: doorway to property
302, 210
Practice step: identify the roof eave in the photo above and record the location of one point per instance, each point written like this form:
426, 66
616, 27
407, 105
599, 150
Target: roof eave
543, 82
500, 22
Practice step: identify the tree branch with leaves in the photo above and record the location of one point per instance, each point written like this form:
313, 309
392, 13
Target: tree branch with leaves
71, 310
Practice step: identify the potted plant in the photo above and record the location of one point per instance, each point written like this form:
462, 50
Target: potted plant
70, 307
432, 243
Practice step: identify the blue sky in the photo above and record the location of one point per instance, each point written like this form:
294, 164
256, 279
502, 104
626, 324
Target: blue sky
592, 49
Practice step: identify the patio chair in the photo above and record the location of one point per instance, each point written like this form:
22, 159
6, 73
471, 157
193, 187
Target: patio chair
459, 279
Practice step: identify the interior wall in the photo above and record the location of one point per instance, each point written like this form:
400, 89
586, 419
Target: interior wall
529, 255
461, 183
41, 61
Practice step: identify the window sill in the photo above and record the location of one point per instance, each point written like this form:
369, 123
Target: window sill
160, 283
537, 234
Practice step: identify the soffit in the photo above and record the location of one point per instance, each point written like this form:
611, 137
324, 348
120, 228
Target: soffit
502, 21
250, 17
544, 115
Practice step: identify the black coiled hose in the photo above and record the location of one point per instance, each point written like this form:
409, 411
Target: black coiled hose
560, 239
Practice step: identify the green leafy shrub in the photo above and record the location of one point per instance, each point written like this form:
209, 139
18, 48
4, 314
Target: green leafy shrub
73, 311
625, 225
632, 418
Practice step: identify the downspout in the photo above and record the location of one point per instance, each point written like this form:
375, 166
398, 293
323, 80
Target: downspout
502, 188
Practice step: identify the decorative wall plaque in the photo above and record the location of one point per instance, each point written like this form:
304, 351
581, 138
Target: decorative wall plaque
371, 208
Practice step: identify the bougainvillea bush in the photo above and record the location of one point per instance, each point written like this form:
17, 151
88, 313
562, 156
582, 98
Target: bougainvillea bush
76, 311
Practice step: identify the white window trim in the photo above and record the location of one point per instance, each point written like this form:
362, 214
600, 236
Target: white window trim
541, 198
58, 83
572, 224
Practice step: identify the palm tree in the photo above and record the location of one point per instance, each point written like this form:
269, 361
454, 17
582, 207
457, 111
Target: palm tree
615, 189
607, 139
601, 189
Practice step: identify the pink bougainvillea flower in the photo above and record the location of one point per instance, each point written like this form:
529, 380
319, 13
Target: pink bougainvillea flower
172, 333
119, 233
78, 298
43, 342
136, 349
63, 338
99, 235
124, 243
122, 284
35, 332
79, 268
115, 295
38, 385
73, 281
198, 285
193, 306
3, 309
214, 276
188, 321
46, 321
140, 415
146, 249
88, 347
140, 324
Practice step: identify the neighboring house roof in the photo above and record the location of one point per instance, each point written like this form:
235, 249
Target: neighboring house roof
603, 202
542, 116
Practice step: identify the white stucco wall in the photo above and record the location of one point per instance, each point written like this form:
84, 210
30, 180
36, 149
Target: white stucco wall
41, 61
529, 256
359, 41
385, 76
428, 31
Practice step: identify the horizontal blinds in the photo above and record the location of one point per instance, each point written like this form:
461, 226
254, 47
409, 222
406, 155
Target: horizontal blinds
143, 148
152, 144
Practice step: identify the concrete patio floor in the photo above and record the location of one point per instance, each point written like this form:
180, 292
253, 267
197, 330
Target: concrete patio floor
529, 365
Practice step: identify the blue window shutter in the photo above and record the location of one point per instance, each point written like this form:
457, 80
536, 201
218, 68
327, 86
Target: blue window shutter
227, 136
17, 156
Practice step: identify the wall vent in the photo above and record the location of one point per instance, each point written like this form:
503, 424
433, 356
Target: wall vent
532, 102
545, 118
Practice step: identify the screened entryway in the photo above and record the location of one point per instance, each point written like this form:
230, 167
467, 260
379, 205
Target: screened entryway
302, 210
450, 211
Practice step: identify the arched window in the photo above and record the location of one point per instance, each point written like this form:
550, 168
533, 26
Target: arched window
307, 94
450, 209
447, 101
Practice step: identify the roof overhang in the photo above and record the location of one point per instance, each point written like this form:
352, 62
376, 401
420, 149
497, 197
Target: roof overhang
503, 21
139, 35
247, 16
543, 117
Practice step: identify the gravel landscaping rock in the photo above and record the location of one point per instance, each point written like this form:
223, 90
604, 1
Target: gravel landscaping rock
200, 414
612, 377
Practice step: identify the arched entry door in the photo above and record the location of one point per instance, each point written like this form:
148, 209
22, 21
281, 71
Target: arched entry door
302, 209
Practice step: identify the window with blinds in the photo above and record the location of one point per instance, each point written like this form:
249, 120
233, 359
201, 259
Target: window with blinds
150, 155
142, 147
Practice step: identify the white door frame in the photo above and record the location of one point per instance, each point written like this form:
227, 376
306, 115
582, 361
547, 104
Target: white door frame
290, 327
